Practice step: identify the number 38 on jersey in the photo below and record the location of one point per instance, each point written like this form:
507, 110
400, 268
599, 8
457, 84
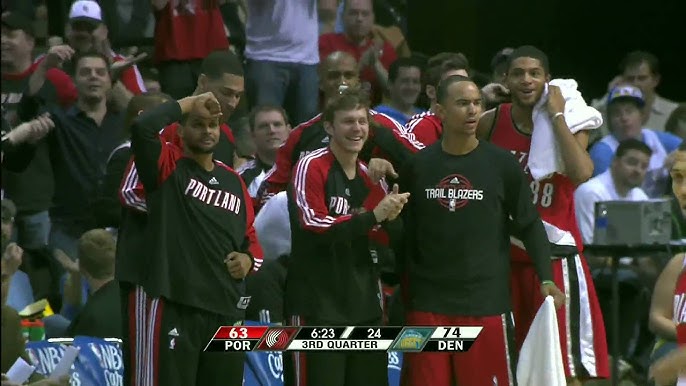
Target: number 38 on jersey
542, 193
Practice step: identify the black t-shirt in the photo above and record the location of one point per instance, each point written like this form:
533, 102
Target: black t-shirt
195, 219
101, 315
456, 249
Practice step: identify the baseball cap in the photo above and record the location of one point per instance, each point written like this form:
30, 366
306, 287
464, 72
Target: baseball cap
15, 21
626, 92
86, 10
8, 210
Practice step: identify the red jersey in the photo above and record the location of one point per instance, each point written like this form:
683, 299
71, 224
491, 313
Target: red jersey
332, 42
131, 78
185, 33
426, 127
553, 196
680, 306
131, 191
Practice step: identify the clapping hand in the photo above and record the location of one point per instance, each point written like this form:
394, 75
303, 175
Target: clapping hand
390, 206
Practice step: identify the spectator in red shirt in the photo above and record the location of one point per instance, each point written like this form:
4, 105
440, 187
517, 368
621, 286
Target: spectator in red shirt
186, 31
32, 189
374, 55
86, 31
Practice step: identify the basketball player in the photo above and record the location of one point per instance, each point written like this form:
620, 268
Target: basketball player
582, 333
456, 253
202, 245
335, 208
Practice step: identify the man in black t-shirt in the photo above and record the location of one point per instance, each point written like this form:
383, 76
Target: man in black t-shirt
466, 197
202, 245
335, 209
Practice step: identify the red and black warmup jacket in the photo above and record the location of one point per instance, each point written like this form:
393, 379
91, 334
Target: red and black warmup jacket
132, 245
387, 139
195, 219
332, 277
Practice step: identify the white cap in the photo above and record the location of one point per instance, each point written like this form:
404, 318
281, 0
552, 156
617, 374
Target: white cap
86, 10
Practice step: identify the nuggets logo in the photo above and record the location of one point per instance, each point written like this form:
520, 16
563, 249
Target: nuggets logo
454, 192
413, 339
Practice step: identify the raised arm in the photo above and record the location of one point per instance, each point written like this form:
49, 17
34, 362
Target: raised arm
578, 164
155, 159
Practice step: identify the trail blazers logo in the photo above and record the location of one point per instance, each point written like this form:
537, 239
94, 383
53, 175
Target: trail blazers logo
454, 192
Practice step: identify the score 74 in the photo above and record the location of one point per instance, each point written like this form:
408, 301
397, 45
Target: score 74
450, 332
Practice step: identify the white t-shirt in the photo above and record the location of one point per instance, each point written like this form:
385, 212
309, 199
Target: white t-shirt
273, 227
282, 31
598, 188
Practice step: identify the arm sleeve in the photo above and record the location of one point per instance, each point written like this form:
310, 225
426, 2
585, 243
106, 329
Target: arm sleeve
65, 90
313, 215
584, 206
16, 158
670, 141
277, 178
133, 81
526, 220
601, 155
251, 245
31, 105
404, 248
131, 192
423, 131
155, 159
107, 207
391, 139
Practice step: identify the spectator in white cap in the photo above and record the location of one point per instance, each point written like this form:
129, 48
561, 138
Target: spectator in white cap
87, 31
625, 117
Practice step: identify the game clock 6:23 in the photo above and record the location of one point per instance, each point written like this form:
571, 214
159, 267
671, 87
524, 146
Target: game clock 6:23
319, 333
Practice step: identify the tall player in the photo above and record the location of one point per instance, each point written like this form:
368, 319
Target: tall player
203, 244
466, 195
582, 333
387, 138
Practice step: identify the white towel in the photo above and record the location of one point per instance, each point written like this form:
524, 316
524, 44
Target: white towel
273, 227
544, 156
540, 359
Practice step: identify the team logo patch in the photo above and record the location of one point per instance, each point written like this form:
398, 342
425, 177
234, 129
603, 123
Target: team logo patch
454, 192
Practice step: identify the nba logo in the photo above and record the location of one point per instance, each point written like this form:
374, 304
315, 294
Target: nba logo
172, 343
451, 207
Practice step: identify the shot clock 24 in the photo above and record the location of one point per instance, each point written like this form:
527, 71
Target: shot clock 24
344, 338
